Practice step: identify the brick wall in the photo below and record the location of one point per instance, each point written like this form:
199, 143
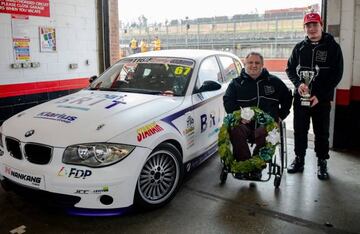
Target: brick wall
114, 31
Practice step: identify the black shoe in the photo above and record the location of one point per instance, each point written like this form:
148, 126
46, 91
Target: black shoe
256, 175
322, 173
296, 166
241, 176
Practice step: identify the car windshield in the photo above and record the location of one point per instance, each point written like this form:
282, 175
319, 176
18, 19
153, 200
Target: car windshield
150, 75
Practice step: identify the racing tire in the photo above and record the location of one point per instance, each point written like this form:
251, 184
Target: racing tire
160, 177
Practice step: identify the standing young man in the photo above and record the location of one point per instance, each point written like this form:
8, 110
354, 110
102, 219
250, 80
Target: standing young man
315, 67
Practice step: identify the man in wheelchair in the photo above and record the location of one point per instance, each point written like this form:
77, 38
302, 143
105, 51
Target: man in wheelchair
255, 87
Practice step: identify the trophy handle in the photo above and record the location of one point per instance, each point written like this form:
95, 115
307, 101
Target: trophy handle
298, 71
317, 71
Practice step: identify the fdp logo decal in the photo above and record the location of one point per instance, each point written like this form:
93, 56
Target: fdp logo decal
147, 131
74, 173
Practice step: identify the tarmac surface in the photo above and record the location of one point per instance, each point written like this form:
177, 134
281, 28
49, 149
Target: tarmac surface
302, 204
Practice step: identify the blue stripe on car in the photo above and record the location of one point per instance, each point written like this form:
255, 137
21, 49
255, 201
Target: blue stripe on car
176, 115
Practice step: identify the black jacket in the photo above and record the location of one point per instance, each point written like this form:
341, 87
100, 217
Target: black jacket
327, 56
267, 92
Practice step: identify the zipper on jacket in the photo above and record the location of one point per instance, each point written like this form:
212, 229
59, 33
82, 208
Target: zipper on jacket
312, 57
258, 97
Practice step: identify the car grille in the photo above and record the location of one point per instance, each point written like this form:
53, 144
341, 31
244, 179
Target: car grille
38, 154
13, 146
34, 153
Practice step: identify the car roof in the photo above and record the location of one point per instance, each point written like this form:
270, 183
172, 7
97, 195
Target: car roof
195, 54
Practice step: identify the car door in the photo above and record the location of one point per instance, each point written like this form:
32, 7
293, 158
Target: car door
209, 109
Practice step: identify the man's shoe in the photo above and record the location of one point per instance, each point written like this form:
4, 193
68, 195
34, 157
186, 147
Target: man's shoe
296, 166
241, 176
322, 170
256, 175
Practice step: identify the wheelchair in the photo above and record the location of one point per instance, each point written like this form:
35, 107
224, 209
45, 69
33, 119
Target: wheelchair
275, 167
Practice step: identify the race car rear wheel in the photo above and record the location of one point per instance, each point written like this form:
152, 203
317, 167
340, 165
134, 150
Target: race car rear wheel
159, 178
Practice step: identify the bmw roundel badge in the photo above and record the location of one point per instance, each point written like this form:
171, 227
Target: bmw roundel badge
29, 133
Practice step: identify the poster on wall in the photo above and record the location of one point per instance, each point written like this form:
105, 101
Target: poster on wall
29, 7
47, 39
22, 49
20, 26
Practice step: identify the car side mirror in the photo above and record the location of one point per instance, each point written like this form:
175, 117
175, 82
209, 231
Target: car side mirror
92, 78
209, 85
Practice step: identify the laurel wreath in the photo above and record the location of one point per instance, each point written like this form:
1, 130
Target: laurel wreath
265, 153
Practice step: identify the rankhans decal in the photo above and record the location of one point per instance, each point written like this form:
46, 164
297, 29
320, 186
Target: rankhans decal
35, 180
147, 131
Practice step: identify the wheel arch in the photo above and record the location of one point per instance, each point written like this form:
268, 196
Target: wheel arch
177, 145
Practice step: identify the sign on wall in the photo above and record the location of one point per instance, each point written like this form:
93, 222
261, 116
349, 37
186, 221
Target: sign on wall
22, 49
20, 26
47, 39
29, 7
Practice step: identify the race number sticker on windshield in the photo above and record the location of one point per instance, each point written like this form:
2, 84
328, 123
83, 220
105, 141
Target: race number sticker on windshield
182, 71
24, 178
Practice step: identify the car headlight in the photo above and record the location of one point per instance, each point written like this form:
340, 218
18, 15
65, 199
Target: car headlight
96, 154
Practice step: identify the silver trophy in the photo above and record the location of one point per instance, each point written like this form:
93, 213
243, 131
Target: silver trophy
307, 77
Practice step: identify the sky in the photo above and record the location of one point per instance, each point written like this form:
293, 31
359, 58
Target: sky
161, 10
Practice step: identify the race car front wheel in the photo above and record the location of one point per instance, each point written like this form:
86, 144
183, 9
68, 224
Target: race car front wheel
159, 178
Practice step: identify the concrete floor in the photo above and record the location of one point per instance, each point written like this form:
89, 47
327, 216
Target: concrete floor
302, 204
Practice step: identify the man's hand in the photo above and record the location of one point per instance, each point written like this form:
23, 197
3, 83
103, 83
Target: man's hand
303, 89
314, 101
244, 121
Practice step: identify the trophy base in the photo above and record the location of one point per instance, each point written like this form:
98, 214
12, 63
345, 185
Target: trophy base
305, 100
305, 103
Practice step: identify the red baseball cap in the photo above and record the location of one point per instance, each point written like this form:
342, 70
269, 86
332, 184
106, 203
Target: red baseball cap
312, 17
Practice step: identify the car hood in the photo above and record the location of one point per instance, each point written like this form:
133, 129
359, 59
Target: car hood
87, 116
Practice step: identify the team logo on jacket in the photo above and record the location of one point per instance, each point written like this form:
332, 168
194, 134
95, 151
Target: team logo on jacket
268, 89
321, 56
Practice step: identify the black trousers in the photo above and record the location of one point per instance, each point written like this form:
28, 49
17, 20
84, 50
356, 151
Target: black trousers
240, 137
320, 116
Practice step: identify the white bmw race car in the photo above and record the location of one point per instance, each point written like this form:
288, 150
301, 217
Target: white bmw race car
127, 139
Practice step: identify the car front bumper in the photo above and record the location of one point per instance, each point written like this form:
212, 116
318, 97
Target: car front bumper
108, 187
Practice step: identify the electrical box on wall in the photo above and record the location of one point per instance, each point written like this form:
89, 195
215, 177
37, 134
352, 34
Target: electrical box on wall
73, 65
26, 65
35, 64
15, 65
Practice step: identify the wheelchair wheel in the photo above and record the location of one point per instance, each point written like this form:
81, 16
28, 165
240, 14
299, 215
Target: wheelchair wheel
277, 181
283, 146
223, 176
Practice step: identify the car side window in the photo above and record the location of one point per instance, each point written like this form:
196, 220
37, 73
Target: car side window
231, 70
239, 66
209, 70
